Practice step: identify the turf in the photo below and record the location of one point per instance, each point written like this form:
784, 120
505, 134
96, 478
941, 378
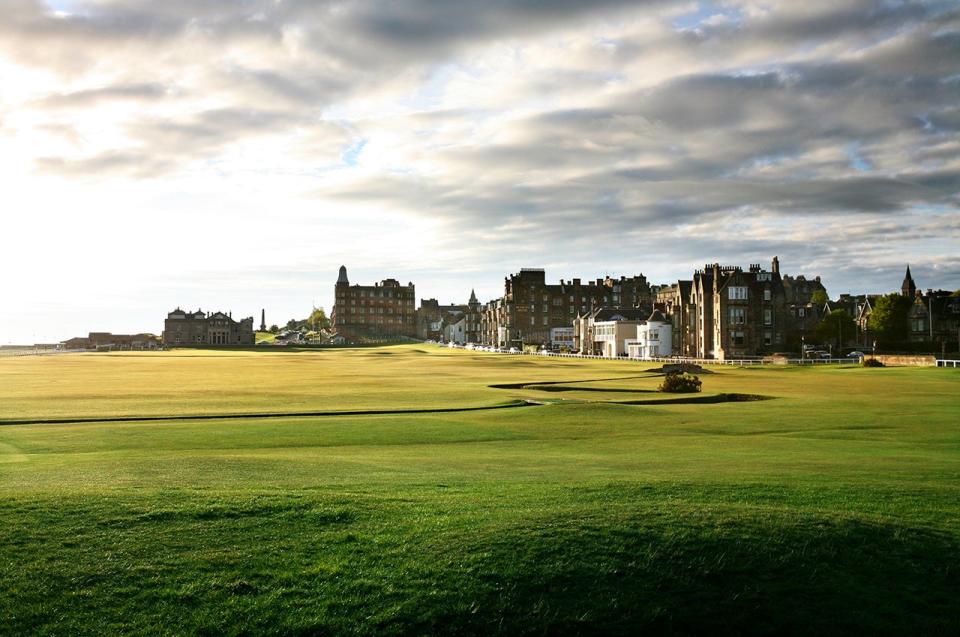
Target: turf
831, 508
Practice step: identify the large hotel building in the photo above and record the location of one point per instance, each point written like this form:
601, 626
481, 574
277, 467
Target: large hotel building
383, 310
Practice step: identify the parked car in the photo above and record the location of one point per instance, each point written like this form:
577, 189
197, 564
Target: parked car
855, 355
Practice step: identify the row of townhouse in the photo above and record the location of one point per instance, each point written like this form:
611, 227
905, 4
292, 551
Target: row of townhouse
722, 312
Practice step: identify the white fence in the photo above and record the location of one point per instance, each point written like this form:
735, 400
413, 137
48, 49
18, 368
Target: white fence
739, 362
946, 362
37, 352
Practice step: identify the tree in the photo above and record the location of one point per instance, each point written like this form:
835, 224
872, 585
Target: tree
888, 320
318, 320
273, 329
819, 298
837, 326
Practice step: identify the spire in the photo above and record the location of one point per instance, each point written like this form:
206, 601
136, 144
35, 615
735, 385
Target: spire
263, 320
908, 288
473, 298
343, 276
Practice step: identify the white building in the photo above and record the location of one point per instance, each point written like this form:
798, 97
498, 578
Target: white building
654, 338
609, 341
455, 329
610, 337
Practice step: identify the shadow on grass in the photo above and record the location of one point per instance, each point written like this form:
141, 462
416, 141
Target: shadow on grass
602, 390
699, 399
824, 577
546, 385
662, 566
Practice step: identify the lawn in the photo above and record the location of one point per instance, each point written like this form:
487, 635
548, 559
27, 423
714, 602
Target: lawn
832, 507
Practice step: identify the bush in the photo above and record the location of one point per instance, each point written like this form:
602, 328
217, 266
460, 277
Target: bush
872, 362
681, 383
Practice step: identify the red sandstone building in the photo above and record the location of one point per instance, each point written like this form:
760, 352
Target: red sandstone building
380, 311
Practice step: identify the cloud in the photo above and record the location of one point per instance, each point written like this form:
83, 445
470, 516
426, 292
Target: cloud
91, 97
562, 131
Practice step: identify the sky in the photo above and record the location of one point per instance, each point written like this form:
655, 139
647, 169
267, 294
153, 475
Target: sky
232, 155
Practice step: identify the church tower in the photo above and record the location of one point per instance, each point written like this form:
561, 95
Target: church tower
908, 288
473, 303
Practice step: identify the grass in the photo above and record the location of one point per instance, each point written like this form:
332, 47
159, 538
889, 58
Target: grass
832, 508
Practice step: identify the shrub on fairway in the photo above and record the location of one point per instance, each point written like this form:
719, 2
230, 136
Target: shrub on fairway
680, 383
872, 362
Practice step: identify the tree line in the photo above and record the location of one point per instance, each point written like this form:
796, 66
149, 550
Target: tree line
316, 321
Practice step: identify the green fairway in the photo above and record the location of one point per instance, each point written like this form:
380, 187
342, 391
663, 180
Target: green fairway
831, 507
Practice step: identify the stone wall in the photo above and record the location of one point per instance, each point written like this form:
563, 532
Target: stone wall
906, 360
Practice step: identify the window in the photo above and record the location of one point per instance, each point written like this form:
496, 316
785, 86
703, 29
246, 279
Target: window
763, 276
801, 312
768, 317
737, 293
736, 338
767, 295
738, 316
767, 338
